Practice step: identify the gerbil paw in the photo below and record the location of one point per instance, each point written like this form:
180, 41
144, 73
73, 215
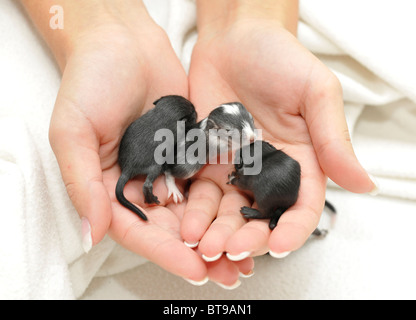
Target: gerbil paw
177, 195
231, 177
320, 232
250, 213
151, 198
174, 192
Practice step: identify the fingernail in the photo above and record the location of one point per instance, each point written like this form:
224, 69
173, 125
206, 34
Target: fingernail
86, 235
247, 275
211, 259
191, 245
197, 283
238, 257
376, 189
279, 255
232, 287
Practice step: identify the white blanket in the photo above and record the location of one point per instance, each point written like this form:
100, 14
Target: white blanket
370, 254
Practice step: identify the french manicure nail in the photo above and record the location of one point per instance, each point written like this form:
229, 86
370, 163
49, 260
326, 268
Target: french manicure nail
197, 283
376, 189
238, 257
191, 245
247, 275
232, 287
211, 259
86, 235
279, 255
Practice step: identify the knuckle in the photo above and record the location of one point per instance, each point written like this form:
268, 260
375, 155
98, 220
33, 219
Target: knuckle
72, 191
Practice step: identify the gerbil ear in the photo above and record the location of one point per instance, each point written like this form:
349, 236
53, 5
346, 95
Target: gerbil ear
156, 101
211, 124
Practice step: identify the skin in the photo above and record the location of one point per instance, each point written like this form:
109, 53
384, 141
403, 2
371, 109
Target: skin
110, 76
247, 51
116, 61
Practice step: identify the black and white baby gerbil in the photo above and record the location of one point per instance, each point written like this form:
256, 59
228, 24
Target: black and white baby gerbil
136, 152
138, 145
275, 187
216, 132
225, 122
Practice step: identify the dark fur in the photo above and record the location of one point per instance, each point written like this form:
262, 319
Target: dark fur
275, 188
136, 153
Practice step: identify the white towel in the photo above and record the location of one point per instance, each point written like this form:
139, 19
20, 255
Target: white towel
375, 62
41, 255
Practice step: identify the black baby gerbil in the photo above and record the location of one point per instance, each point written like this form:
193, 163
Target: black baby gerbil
275, 188
136, 152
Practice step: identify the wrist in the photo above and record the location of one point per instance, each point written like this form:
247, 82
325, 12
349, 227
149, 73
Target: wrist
85, 20
217, 15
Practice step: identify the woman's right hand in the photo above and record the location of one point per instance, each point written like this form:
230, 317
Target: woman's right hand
115, 63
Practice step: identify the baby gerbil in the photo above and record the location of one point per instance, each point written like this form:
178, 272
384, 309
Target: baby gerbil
223, 124
136, 152
137, 147
275, 188
228, 120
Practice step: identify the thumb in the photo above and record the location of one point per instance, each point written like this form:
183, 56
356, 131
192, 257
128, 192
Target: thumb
324, 115
76, 148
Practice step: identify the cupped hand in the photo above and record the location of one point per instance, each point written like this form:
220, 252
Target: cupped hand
297, 102
112, 76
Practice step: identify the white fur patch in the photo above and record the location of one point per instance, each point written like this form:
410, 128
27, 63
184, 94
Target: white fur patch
231, 109
172, 188
248, 132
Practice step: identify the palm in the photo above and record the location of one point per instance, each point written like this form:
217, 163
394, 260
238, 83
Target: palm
106, 86
265, 68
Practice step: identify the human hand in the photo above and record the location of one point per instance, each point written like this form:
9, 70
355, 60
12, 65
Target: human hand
109, 80
116, 61
297, 102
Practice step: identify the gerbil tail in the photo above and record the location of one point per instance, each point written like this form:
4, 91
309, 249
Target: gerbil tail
330, 206
122, 199
332, 212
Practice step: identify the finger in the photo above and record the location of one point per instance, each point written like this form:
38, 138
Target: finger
228, 221
178, 209
245, 267
157, 240
224, 273
324, 115
299, 221
76, 148
202, 207
250, 240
